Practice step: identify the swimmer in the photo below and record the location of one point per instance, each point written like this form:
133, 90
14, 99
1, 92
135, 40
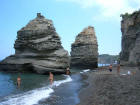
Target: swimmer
51, 78
18, 81
68, 71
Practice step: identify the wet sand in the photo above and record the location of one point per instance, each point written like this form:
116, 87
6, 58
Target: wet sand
109, 88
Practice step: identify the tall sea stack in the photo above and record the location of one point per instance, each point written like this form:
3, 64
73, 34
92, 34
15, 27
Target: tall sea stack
84, 51
38, 49
130, 27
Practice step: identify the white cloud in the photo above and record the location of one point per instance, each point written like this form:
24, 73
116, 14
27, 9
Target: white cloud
108, 8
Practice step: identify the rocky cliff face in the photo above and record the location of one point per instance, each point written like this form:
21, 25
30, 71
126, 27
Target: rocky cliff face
84, 51
130, 27
38, 49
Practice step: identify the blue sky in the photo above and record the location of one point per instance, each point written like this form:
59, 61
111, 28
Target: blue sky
70, 17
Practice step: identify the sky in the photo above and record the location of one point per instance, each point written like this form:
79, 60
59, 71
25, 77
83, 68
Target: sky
70, 17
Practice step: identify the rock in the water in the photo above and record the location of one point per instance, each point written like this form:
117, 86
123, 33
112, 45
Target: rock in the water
37, 48
84, 51
130, 27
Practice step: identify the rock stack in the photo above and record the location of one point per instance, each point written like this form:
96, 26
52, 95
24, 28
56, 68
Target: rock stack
37, 48
84, 51
130, 27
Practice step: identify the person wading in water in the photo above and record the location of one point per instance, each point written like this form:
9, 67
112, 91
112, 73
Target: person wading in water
18, 81
68, 71
51, 78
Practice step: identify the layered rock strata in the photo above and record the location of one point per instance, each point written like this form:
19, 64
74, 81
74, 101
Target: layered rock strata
37, 48
130, 27
84, 51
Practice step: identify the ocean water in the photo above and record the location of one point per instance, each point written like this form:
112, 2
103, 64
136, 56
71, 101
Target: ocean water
36, 90
100, 65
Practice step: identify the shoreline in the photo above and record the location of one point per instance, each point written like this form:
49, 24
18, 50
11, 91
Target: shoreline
105, 88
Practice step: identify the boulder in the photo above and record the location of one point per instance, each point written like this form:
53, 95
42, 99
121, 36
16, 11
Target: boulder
130, 27
84, 51
38, 49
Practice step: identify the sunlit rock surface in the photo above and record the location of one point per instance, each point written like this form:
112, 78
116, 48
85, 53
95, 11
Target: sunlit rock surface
84, 51
37, 48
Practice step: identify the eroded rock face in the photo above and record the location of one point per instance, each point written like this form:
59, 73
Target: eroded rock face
37, 48
84, 51
130, 27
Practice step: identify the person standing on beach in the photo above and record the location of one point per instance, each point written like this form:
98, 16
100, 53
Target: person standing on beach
110, 68
51, 78
18, 81
118, 68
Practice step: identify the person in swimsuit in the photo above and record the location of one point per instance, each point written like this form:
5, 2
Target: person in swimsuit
51, 78
110, 68
18, 81
68, 71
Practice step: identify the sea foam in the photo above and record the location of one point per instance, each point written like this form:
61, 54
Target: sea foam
84, 71
57, 83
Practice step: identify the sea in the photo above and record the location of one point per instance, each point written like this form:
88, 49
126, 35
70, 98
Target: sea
35, 89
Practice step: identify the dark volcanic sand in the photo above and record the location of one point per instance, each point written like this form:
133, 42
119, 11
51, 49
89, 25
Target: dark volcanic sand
107, 88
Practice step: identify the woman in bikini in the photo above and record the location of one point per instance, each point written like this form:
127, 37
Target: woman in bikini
68, 71
51, 78
18, 81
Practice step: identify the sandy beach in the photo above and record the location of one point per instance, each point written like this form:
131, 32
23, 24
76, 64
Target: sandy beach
109, 88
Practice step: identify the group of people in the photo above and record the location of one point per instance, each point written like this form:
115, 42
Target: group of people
118, 68
51, 77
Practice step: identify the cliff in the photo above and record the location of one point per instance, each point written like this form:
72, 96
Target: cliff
84, 51
38, 49
130, 27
